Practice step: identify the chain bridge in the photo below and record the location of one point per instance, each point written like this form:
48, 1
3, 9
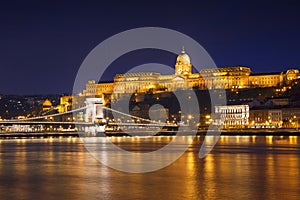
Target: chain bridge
94, 119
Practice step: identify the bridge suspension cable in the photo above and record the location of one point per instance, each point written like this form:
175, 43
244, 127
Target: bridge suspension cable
48, 111
44, 116
83, 108
132, 116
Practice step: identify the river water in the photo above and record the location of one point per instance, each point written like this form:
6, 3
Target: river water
248, 167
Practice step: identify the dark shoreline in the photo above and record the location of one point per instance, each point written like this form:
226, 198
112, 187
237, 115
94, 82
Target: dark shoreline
166, 133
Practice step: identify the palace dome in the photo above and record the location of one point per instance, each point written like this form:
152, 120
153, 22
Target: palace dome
183, 58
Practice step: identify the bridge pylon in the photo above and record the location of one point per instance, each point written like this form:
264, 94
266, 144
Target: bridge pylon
94, 114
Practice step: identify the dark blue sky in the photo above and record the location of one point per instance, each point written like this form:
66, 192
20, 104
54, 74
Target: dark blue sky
42, 44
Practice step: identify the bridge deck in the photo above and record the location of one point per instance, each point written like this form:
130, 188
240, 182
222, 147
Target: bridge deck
84, 123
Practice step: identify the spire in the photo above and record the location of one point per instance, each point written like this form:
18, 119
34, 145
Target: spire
182, 51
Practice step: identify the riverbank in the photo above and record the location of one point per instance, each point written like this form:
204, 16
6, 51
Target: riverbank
242, 132
37, 135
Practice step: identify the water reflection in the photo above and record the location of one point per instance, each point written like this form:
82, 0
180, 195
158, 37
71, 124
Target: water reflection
250, 167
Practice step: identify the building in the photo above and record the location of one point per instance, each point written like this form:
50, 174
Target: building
236, 77
275, 118
47, 105
284, 117
65, 104
291, 118
258, 118
266, 118
233, 116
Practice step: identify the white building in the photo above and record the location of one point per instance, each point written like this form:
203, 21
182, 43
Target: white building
233, 116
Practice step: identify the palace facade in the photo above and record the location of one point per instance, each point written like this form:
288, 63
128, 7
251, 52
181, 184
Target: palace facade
237, 77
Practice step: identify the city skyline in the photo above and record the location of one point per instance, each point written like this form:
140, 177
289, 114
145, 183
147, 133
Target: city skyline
149, 99
43, 45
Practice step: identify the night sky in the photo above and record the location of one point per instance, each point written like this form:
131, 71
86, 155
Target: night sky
42, 44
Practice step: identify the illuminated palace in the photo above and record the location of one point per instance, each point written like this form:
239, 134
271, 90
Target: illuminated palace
238, 77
